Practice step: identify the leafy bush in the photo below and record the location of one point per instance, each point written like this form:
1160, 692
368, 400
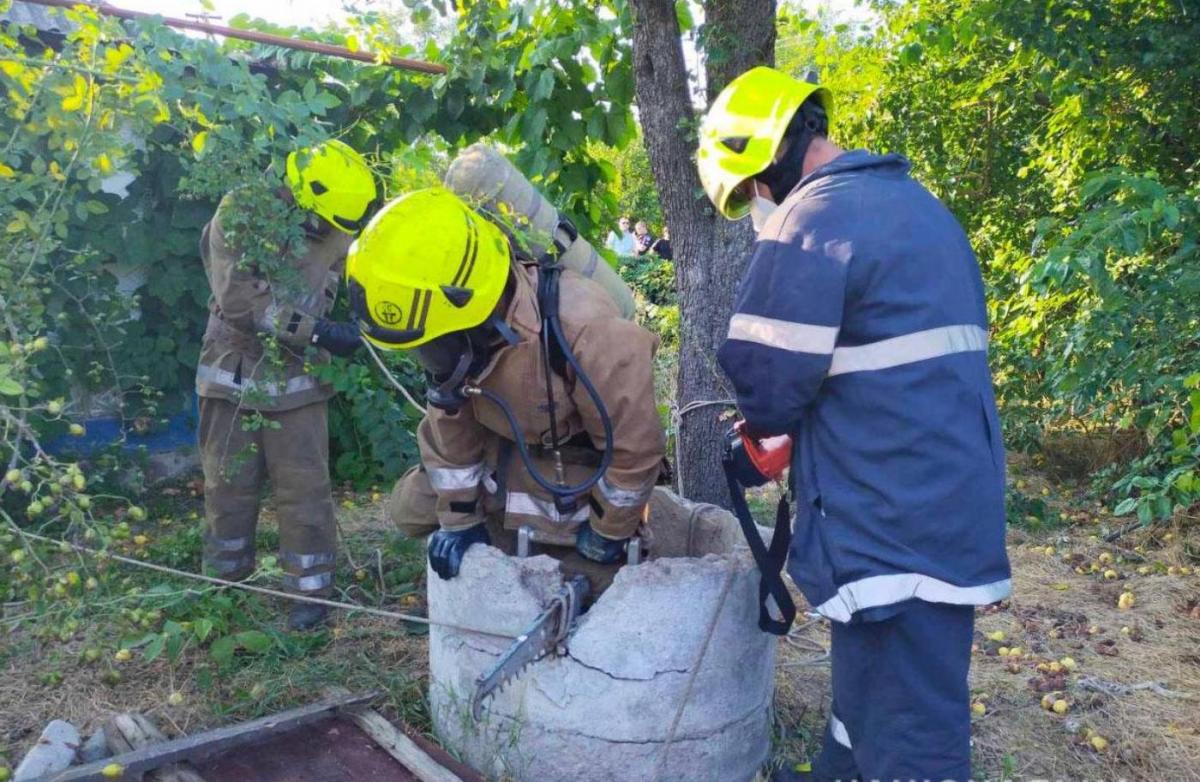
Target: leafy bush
653, 280
104, 295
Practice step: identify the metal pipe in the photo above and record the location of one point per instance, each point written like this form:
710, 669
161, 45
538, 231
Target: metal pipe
251, 35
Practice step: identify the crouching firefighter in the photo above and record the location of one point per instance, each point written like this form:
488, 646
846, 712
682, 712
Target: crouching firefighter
541, 408
238, 380
860, 331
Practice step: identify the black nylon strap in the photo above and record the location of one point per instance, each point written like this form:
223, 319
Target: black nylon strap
770, 560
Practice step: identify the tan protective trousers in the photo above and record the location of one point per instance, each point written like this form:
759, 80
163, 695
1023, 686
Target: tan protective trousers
292, 449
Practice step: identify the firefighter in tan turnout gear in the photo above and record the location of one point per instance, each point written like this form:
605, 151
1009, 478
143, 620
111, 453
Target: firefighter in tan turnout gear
238, 379
535, 417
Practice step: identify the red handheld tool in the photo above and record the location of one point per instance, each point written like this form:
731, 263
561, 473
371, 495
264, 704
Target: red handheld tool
756, 460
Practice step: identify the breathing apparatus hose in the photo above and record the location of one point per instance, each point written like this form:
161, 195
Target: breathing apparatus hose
549, 305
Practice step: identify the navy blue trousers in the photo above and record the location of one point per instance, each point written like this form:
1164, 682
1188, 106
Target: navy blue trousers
901, 704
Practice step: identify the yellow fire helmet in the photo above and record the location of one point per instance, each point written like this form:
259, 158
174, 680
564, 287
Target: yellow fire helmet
426, 265
334, 181
741, 132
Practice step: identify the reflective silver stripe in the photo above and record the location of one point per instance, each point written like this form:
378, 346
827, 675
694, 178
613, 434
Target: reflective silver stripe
838, 729
307, 583
623, 498
519, 502
227, 544
306, 561
909, 349
893, 588
783, 334
223, 377
454, 478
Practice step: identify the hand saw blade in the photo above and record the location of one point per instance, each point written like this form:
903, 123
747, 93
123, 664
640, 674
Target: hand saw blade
539, 640
531, 646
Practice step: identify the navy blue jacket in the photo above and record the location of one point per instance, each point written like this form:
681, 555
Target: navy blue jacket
860, 329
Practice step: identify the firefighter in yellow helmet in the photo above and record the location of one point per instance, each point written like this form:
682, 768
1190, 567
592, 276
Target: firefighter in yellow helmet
860, 330
238, 378
539, 415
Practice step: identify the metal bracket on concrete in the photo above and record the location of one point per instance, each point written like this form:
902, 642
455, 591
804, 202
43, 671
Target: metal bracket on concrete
525, 538
633, 551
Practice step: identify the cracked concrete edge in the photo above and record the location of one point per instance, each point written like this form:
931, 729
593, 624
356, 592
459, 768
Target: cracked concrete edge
733, 751
547, 692
561, 695
653, 675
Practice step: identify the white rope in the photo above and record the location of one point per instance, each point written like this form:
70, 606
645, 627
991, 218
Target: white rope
677, 414
391, 378
260, 590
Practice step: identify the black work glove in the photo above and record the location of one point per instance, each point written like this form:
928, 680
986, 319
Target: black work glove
447, 547
598, 548
340, 339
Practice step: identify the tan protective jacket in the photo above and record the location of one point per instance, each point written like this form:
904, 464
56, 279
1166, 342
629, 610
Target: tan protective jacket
234, 364
462, 453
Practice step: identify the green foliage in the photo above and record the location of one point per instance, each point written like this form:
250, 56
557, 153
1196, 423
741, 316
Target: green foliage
371, 426
636, 193
1030, 512
103, 292
653, 280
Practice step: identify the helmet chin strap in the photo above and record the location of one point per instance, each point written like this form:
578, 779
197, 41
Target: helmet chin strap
445, 391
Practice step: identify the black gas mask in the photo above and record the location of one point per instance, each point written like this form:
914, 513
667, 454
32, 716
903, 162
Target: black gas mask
451, 359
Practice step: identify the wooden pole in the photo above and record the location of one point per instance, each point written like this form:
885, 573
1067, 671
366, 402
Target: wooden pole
251, 35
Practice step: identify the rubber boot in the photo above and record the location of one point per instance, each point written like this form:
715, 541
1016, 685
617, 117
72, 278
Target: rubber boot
307, 616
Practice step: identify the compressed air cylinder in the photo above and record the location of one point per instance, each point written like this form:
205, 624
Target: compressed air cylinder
483, 176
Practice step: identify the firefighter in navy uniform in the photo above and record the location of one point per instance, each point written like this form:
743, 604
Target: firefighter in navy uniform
432, 276
860, 330
236, 378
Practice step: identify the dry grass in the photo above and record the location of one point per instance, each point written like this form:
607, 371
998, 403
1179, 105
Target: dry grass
1139, 690
360, 653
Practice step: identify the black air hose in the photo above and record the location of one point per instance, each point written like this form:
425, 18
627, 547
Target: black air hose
550, 318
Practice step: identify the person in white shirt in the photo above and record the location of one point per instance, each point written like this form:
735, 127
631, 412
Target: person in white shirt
622, 242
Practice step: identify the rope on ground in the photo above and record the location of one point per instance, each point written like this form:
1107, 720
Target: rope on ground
660, 765
261, 590
391, 378
677, 414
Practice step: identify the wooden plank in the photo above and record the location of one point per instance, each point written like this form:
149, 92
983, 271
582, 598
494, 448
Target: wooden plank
128, 732
399, 746
209, 742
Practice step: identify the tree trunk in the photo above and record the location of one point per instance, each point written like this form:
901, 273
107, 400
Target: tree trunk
710, 252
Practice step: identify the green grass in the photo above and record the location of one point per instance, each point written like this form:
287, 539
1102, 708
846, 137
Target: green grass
227, 652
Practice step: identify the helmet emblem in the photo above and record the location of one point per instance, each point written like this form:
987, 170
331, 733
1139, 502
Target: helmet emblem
388, 313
